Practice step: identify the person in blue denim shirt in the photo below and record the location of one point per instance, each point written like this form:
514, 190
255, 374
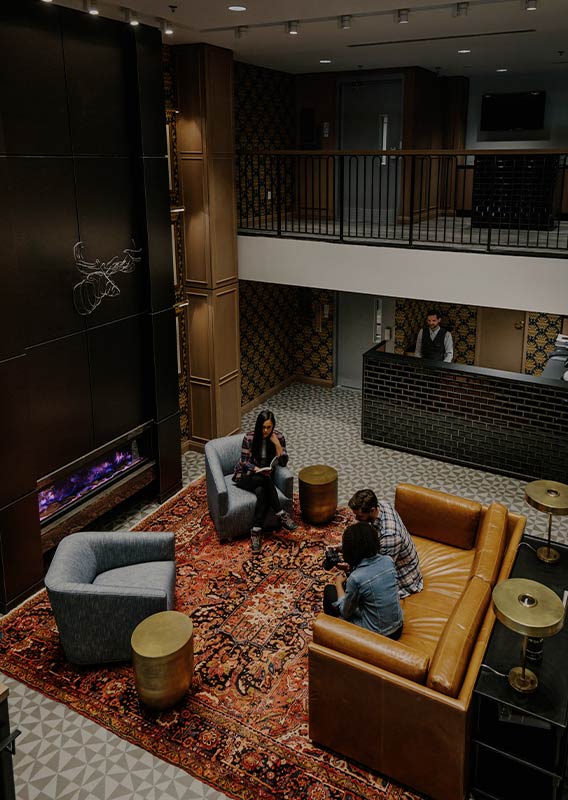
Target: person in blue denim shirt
369, 595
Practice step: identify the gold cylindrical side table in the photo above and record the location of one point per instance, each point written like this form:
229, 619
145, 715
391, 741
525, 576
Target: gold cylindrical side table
162, 656
318, 493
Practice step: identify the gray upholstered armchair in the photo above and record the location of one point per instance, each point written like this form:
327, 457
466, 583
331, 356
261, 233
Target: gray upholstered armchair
231, 508
101, 585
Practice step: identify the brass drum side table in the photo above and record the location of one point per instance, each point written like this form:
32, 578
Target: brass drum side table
162, 656
318, 493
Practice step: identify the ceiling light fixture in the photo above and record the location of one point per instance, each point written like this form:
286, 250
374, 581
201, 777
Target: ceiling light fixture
47, 1
462, 9
240, 31
325, 60
344, 22
131, 17
464, 51
402, 16
531, 5
166, 28
502, 69
292, 27
236, 8
90, 7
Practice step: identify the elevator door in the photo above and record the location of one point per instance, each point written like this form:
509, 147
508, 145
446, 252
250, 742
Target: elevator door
355, 325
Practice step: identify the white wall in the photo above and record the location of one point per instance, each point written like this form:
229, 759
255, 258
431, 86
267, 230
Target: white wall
555, 85
526, 283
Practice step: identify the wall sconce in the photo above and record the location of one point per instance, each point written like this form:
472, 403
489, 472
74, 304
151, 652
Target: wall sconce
401, 16
344, 22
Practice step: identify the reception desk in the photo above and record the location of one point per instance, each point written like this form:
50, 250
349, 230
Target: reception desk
498, 421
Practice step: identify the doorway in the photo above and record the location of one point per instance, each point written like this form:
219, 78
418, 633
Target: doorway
500, 339
355, 328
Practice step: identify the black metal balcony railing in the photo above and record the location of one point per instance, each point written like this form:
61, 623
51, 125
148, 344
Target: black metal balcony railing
504, 200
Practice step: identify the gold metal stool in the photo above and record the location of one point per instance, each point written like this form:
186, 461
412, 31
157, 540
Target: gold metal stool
318, 493
552, 497
162, 657
531, 609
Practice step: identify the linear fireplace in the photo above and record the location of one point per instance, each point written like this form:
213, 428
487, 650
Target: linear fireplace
81, 491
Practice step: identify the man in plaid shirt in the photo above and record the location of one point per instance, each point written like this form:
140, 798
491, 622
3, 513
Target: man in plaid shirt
394, 539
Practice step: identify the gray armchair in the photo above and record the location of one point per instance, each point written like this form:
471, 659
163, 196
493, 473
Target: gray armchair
101, 585
231, 508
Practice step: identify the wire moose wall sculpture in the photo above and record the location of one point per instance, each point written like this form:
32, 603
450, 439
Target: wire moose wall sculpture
97, 282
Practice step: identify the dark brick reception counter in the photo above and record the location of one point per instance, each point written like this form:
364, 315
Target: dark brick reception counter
499, 421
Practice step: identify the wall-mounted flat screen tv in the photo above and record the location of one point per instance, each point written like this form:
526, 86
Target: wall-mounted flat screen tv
517, 111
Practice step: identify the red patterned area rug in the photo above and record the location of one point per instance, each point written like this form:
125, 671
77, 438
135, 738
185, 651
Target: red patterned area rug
243, 727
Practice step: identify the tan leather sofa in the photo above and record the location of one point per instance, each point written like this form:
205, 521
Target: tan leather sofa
403, 707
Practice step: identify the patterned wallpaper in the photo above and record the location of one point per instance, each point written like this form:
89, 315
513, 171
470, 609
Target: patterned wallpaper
410, 316
541, 335
281, 336
175, 199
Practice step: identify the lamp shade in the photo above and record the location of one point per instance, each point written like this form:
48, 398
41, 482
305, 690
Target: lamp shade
528, 607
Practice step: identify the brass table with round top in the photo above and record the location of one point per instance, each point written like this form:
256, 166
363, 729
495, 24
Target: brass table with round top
318, 493
162, 656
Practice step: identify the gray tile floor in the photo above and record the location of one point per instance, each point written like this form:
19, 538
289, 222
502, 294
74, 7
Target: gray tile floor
63, 756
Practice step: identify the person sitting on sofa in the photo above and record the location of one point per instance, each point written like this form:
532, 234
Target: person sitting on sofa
261, 450
369, 595
394, 539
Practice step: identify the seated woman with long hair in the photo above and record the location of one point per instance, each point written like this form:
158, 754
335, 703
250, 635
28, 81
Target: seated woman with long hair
369, 596
254, 472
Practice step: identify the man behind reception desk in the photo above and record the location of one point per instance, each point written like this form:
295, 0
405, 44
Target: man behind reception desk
433, 341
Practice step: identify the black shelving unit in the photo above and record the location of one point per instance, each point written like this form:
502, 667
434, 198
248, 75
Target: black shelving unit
520, 742
519, 192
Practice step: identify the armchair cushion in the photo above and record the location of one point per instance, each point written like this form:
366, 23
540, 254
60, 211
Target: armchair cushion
159, 575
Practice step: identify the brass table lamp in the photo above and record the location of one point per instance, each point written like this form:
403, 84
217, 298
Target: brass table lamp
531, 609
551, 497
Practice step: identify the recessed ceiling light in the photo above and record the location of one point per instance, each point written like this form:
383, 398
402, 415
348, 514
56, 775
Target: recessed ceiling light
402, 16
90, 7
464, 51
293, 27
47, 1
236, 8
462, 9
531, 5
166, 28
502, 69
131, 17
325, 60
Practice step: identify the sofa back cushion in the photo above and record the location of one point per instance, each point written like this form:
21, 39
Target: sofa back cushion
372, 648
456, 644
490, 544
437, 515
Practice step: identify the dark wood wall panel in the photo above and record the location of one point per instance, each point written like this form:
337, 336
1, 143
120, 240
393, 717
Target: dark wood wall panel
100, 86
121, 372
62, 427
21, 565
17, 454
45, 230
150, 93
13, 310
33, 102
165, 366
158, 240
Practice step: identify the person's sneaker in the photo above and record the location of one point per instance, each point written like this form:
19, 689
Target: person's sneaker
256, 542
287, 522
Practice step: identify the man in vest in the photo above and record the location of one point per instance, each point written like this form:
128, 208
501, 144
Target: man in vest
434, 342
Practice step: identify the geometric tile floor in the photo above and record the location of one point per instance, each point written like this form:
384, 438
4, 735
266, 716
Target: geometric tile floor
63, 756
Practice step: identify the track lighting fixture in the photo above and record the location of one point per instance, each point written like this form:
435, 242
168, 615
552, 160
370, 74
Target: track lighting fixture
90, 7
531, 5
240, 31
462, 9
344, 22
402, 16
166, 28
131, 17
293, 27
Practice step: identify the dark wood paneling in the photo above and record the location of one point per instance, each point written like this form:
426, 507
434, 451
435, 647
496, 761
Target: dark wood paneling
45, 231
191, 121
21, 566
165, 364
121, 381
151, 104
110, 219
60, 399
219, 99
33, 103
13, 310
169, 456
159, 239
17, 445
101, 84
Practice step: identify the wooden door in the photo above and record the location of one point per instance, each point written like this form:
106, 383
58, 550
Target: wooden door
500, 339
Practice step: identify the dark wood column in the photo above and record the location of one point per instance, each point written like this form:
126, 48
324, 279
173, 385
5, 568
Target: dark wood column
206, 161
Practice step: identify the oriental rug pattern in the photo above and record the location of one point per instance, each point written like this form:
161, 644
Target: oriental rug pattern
243, 727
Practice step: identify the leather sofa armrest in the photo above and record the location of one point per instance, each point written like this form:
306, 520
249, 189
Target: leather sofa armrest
371, 648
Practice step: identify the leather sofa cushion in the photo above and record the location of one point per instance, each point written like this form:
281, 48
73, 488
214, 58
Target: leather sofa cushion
453, 653
490, 543
436, 515
445, 570
372, 648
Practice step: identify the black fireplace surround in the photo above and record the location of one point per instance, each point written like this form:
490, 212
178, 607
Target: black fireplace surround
497, 421
87, 333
